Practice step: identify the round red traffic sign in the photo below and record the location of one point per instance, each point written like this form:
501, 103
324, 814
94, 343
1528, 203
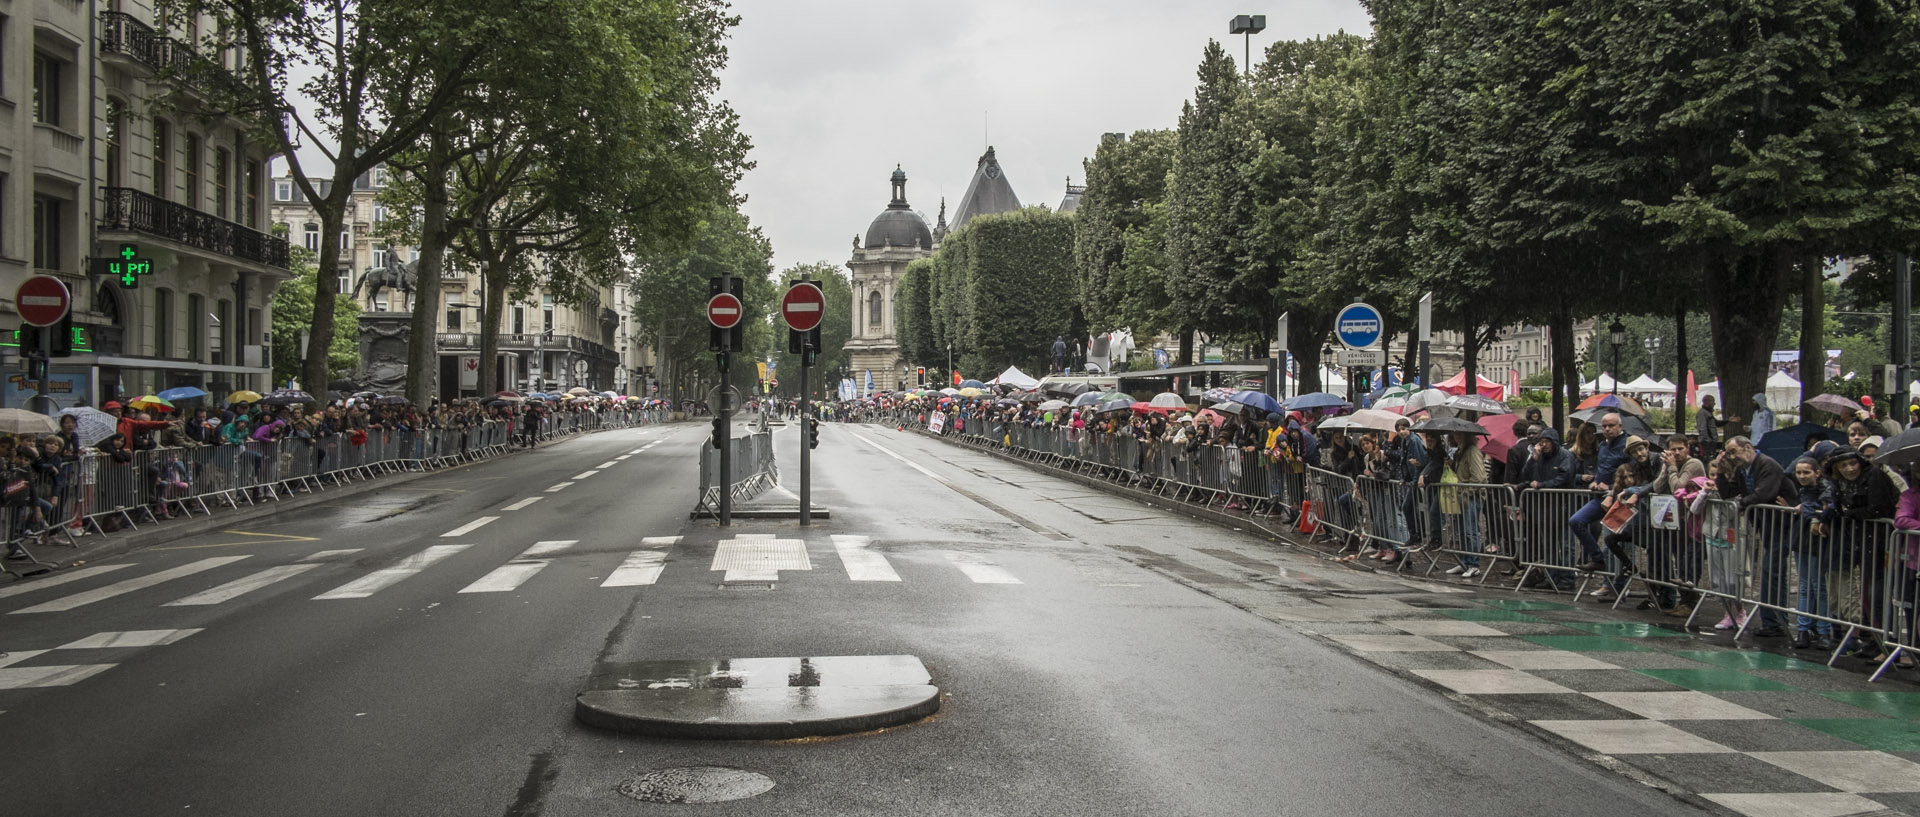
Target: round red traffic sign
724, 310
803, 306
42, 300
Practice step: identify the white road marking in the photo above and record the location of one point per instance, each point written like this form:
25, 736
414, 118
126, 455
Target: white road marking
23, 677
381, 579
323, 555
621, 457
642, 567
607, 464
18, 656
980, 570
128, 586
863, 565
522, 503
130, 638
558, 487
74, 576
469, 527
635, 451
242, 586
759, 558
584, 474
511, 575
909, 463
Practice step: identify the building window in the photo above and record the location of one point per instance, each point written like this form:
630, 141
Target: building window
221, 312
346, 239
378, 178
345, 284
312, 241
222, 165
283, 190
162, 150
453, 312
379, 213
519, 325
251, 207
46, 88
873, 308
162, 322
379, 257
47, 232
546, 313
194, 160
196, 325
116, 143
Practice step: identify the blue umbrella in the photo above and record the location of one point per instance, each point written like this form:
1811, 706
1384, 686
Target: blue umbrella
1785, 444
182, 393
1315, 400
971, 384
1257, 399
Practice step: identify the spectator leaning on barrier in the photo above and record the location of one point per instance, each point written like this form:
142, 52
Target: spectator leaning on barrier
1679, 563
1906, 566
1758, 480
1610, 452
1811, 629
1862, 494
1632, 478
1550, 466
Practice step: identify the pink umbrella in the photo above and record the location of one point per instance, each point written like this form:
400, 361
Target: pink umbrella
1211, 416
1499, 435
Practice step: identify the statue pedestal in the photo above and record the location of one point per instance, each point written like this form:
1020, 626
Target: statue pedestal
383, 351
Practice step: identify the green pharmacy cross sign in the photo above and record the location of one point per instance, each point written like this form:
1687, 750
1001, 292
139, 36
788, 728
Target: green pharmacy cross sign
128, 267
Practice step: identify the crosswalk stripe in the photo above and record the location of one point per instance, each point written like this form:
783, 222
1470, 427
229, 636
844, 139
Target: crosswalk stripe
18, 656
511, 575
642, 567
522, 503
980, 570
73, 576
130, 638
128, 586
863, 565
381, 579
242, 586
59, 676
469, 527
323, 555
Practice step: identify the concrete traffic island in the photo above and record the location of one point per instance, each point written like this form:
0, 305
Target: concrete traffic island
758, 698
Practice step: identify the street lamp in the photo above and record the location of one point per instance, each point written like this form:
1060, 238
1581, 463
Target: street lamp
1617, 334
1248, 25
1653, 351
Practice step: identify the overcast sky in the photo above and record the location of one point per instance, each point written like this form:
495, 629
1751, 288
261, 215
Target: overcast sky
834, 93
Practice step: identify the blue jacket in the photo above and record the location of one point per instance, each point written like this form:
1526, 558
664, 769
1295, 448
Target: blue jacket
1608, 458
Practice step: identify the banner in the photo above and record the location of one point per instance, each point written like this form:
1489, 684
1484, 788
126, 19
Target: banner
869, 391
937, 422
763, 370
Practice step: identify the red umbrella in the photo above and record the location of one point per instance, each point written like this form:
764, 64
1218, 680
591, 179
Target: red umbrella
1499, 435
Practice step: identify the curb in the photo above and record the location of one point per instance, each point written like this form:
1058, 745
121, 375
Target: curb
97, 546
688, 714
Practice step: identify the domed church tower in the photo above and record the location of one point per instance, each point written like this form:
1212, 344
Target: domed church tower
896, 238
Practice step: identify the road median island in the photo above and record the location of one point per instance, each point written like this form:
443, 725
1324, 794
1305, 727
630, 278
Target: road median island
758, 698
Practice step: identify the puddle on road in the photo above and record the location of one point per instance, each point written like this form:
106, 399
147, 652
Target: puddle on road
378, 506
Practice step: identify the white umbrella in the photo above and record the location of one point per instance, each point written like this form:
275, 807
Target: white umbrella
1390, 402
950, 391
91, 424
1374, 419
1053, 405
22, 421
1167, 399
1425, 399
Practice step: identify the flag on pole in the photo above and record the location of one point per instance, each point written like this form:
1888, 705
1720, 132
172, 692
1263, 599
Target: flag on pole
1513, 383
956, 377
869, 382
1692, 391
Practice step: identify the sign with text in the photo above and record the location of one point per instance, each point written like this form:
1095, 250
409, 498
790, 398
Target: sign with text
1358, 326
937, 422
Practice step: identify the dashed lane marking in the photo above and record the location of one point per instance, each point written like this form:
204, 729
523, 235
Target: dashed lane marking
522, 503
561, 486
469, 527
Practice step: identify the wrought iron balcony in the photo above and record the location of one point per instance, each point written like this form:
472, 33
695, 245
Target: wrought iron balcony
135, 211
123, 34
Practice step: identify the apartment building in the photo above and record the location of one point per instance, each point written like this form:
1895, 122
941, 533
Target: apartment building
109, 149
558, 344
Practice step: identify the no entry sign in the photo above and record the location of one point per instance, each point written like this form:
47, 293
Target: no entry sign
803, 306
724, 310
42, 300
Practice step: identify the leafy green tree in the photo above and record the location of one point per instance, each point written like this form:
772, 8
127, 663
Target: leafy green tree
670, 294
836, 327
293, 314
913, 322
1013, 290
1120, 234
1206, 206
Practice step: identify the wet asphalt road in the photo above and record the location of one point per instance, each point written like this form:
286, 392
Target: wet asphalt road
1079, 681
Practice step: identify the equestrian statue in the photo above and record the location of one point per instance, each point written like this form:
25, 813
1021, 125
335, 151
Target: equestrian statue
394, 275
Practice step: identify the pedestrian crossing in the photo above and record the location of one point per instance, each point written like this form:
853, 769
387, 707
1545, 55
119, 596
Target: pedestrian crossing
752, 558
21, 669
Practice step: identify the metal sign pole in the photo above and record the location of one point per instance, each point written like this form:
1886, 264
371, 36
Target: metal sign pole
806, 432
46, 371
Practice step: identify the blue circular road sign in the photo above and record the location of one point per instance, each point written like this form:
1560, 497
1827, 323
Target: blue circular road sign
1358, 326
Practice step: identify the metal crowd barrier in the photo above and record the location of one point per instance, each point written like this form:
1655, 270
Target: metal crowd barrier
753, 471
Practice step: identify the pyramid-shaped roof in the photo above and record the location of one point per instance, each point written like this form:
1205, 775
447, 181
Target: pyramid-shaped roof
988, 192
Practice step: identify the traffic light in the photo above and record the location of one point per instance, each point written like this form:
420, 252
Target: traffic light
719, 431
921, 373
62, 337
28, 336
36, 368
805, 344
813, 433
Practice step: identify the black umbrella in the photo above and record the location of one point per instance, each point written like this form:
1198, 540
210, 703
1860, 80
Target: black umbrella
1032, 397
393, 400
1068, 389
287, 397
1902, 449
1629, 423
1449, 425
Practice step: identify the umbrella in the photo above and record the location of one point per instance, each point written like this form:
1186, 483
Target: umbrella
496, 403
1218, 394
182, 393
244, 396
335, 397
971, 391
1087, 399
1230, 407
972, 384
286, 397
150, 403
1169, 400
1500, 436
507, 394
1374, 419
1032, 397
1393, 403
1426, 399
1786, 444
1336, 424
1835, 404
609, 395
1449, 425
1902, 449
1068, 389
1257, 399
91, 424
1052, 405
576, 391
1614, 401
950, 391
22, 421
1475, 402
395, 400
1113, 402
1210, 416
1315, 400
1402, 390
1148, 408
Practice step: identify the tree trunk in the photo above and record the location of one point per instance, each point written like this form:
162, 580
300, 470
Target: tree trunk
1304, 333
315, 372
1813, 325
1186, 346
1681, 408
1745, 295
423, 359
1470, 349
1560, 339
494, 279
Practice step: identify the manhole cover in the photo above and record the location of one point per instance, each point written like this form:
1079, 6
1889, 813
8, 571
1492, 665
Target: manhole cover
696, 784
